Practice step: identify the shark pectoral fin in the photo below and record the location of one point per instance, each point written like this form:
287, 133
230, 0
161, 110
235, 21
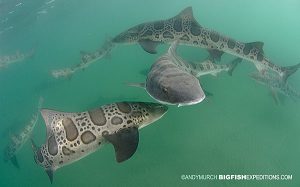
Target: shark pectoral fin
125, 142
15, 162
215, 54
275, 97
233, 65
139, 85
149, 46
258, 45
207, 93
50, 174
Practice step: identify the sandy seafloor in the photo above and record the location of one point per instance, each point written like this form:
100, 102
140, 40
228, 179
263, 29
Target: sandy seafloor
239, 130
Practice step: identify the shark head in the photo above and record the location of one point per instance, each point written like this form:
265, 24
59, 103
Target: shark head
179, 90
150, 112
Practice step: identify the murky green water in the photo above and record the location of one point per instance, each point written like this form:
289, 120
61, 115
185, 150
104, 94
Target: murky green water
239, 130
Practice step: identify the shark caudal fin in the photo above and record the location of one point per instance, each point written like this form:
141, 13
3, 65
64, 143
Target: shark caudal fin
233, 64
38, 158
289, 70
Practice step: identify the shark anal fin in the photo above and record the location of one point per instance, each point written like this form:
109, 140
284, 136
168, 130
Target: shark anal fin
125, 142
149, 46
50, 174
275, 97
215, 55
15, 162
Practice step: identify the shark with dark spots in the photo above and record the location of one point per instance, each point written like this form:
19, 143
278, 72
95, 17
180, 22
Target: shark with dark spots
72, 136
203, 68
86, 60
169, 84
18, 141
11, 59
276, 85
187, 31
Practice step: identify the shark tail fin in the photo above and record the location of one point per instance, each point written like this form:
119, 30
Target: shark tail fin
289, 70
233, 64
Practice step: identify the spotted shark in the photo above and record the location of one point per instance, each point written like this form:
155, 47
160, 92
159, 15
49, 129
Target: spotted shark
187, 31
169, 83
205, 67
86, 60
276, 85
17, 57
72, 136
18, 141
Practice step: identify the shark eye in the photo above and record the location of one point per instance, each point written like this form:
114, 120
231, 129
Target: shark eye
165, 90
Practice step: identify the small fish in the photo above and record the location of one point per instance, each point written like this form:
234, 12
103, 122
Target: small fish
17, 141
187, 31
72, 136
276, 85
169, 84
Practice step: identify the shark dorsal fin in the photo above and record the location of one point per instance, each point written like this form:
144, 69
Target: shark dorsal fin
49, 116
186, 13
258, 45
125, 142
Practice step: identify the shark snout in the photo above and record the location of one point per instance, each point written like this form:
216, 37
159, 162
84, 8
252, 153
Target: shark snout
157, 110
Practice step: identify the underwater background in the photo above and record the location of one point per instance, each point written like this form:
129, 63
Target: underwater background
238, 130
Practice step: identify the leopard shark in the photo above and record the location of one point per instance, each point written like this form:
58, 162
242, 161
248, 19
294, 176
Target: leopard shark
168, 82
87, 58
187, 31
276, 85
17, 57
202, 68
72, 136
17, 141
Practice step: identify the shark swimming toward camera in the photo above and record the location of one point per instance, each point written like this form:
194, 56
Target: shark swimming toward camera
19, 140
169, 83
72, 136
187, 31
11, 59
276, 85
